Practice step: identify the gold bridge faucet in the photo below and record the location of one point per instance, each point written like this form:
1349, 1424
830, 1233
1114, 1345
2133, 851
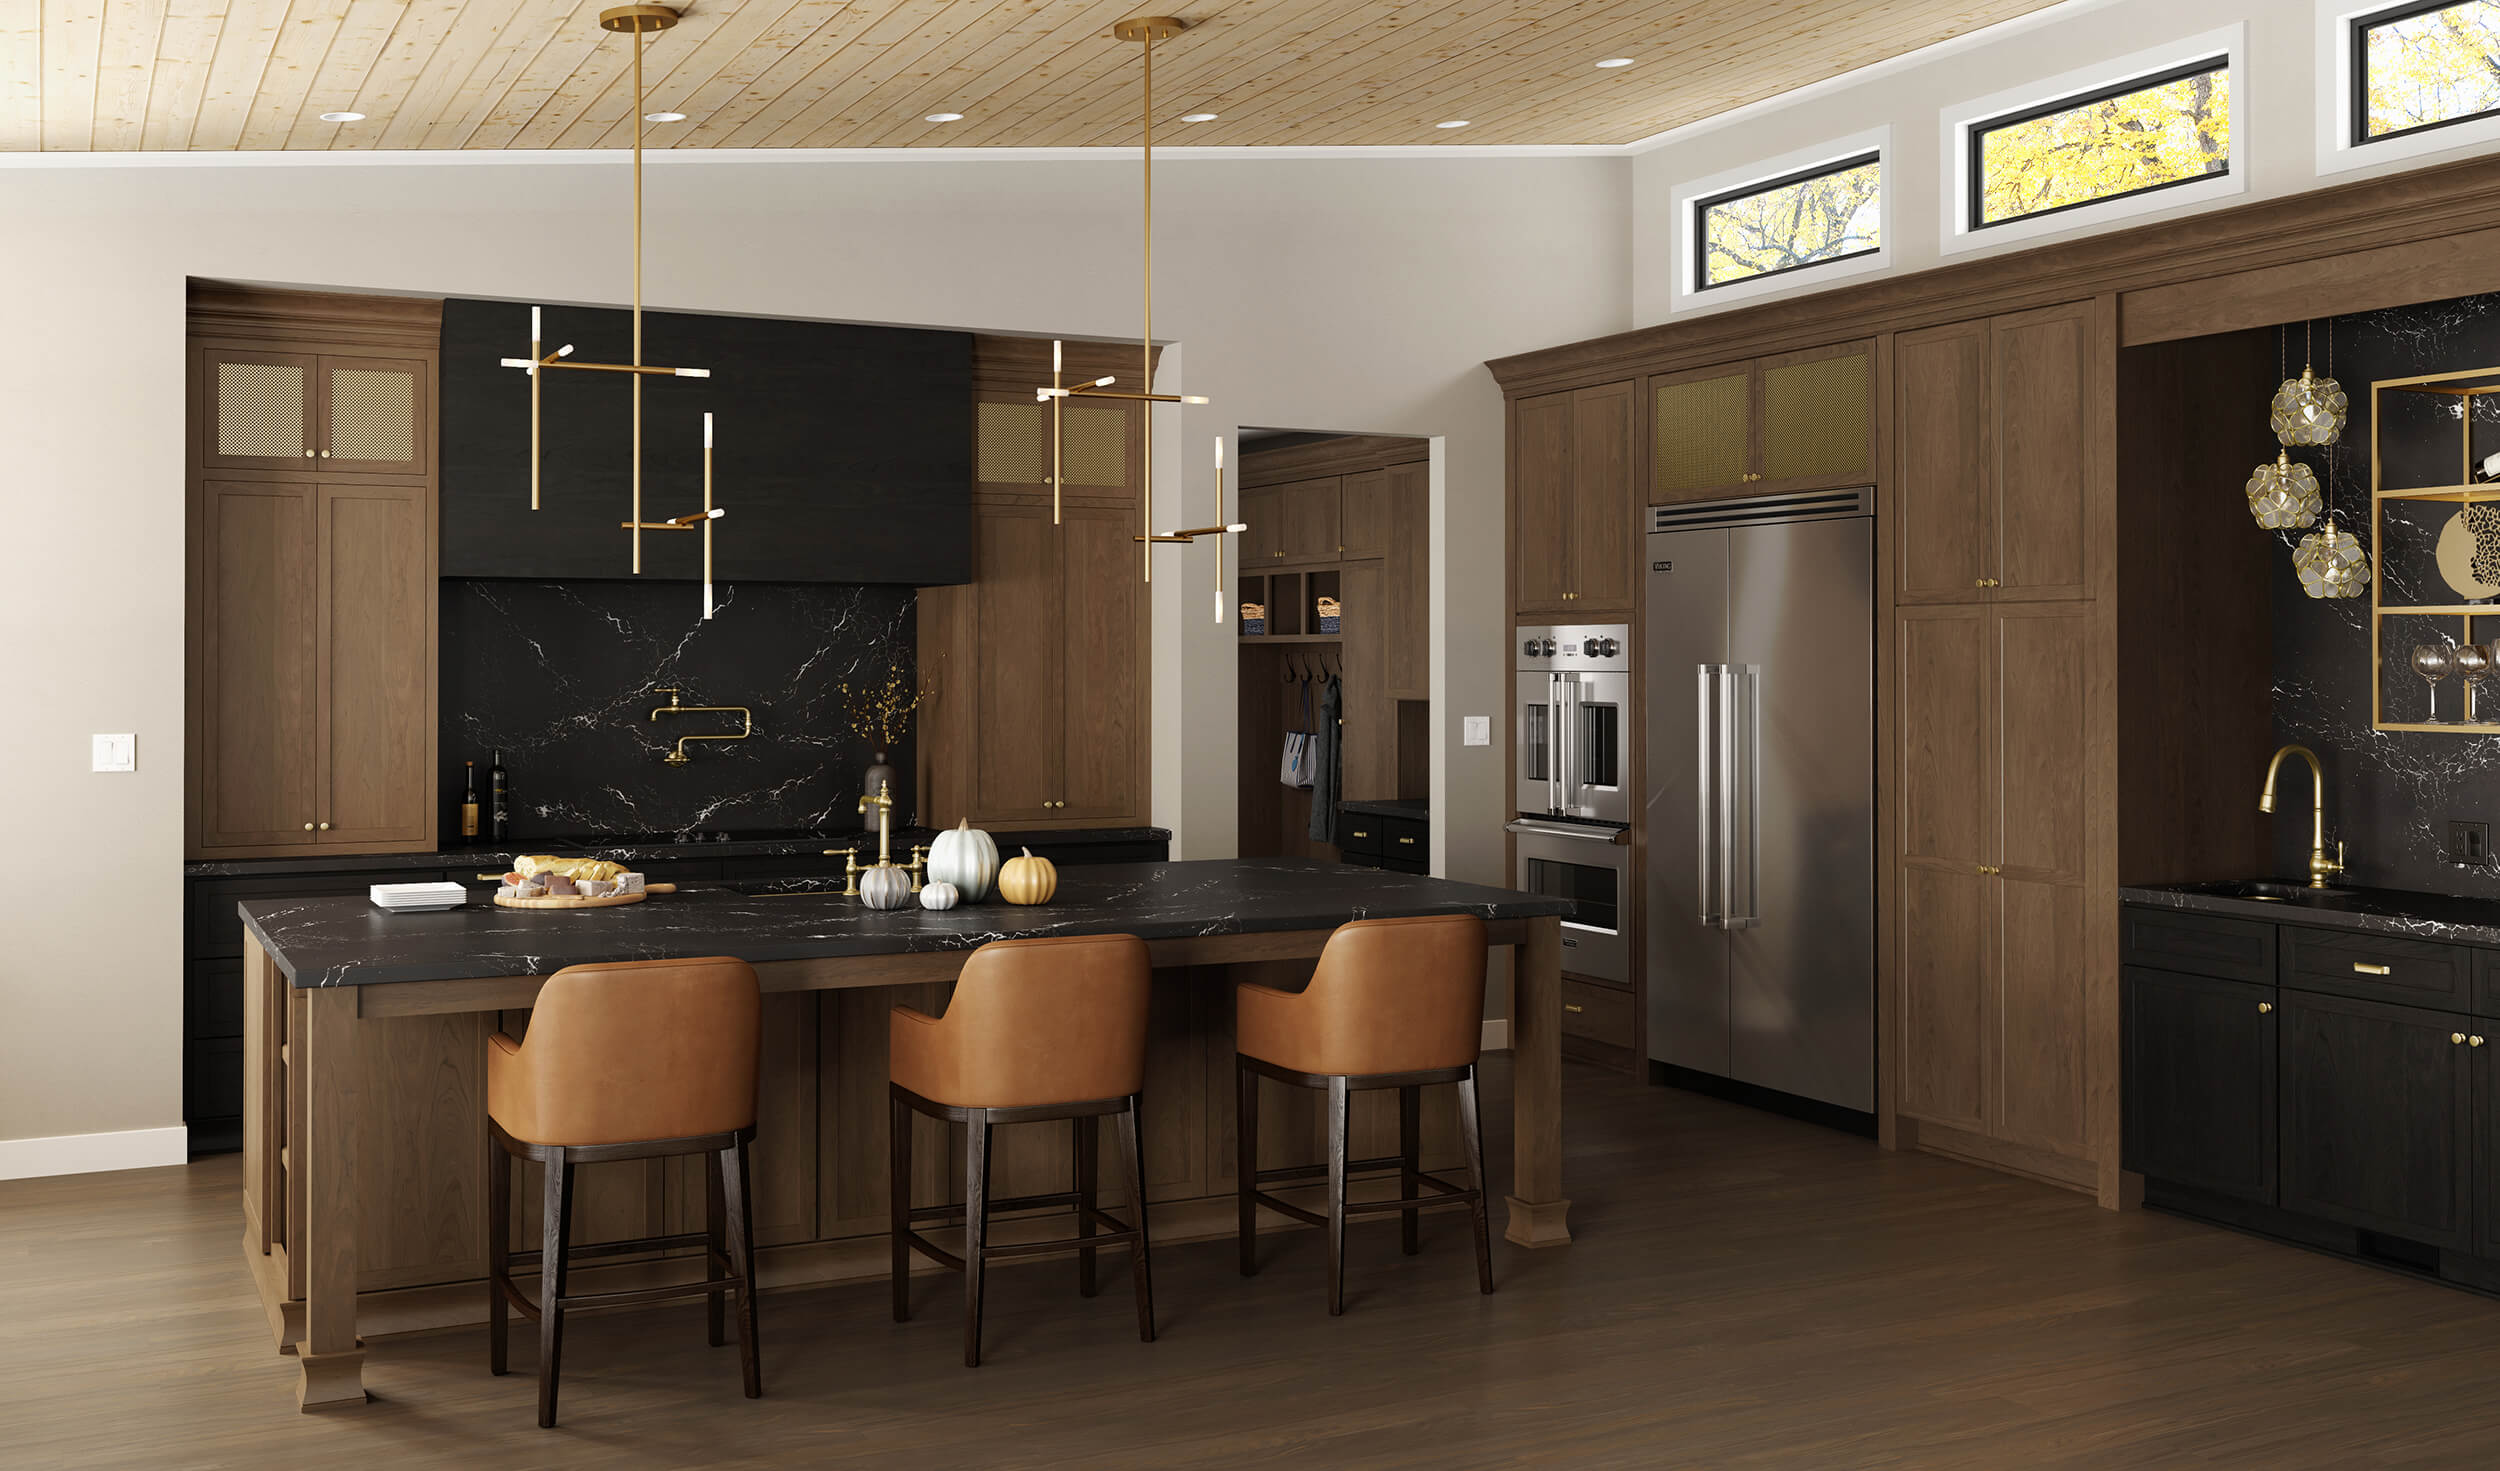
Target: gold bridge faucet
2321, 867
678, 757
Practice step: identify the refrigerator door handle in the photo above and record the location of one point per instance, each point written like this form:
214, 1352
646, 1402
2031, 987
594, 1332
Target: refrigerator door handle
1745, 745
1710, 718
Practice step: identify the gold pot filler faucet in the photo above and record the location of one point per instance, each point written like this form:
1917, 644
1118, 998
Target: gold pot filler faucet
2321, 867
678, 757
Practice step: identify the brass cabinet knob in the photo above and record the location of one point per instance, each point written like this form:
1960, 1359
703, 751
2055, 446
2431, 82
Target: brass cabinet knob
325, 827
1574, 1007
308, 827
2473, 1041
308, 454
2456, 1039
325, 454
2264, 1007
1979, 582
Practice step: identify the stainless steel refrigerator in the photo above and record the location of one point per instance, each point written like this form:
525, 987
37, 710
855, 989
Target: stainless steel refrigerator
1760, 799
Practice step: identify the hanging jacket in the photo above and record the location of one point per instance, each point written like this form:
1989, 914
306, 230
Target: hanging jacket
1328, 764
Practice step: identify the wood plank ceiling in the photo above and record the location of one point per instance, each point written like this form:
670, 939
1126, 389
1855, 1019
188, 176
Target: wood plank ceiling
209, 75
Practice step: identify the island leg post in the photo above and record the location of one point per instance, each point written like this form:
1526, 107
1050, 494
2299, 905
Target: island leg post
330, 1356
1538, 1210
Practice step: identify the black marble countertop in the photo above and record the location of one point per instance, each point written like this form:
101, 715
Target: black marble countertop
349, 941
779, 845
1420, 811
2404, 912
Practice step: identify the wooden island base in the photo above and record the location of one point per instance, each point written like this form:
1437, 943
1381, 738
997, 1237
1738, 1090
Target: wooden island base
365, 1153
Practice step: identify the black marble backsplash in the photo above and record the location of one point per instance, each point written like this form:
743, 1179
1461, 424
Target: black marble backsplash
560, 675
2391, 794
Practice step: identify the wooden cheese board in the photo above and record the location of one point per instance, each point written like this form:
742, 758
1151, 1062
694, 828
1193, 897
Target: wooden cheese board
576, 901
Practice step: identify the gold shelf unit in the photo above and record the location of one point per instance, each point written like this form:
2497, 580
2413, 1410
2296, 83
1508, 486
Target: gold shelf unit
2466, 385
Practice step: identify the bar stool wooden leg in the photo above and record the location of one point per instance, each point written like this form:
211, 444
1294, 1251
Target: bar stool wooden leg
1082, 1131
1338, 1097
1471, 1137
976, 1212
1133, 1157
716, 1263
498, 1258
741, 1245
1246, 1161
551, 1284
898, 1203
1410, 1164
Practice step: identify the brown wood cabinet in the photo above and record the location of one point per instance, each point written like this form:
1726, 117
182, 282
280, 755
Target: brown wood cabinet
1406, 583
1574, 510
1994, 421
312, 509
1794, 421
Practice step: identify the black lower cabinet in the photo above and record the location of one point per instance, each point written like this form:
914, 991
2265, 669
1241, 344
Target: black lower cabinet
2486, 1140
2377, 1116
2199, 1087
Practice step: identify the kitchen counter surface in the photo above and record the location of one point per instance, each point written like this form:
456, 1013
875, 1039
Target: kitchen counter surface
779, 845
1420, 811
349, 941
2417, 916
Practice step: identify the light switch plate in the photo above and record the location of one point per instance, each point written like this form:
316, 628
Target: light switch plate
1476, 730
116, 753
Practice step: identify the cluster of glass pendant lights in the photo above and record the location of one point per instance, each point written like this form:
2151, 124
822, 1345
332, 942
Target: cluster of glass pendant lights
2308, 412
641, 21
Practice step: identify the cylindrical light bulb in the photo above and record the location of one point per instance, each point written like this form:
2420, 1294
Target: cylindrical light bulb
1219, 452
1054, 355
707, 429
533, 325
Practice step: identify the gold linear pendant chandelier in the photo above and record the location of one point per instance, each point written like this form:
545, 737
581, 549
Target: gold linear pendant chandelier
1146, 29
637, 21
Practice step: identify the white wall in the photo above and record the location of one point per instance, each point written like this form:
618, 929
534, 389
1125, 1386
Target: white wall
2275, 143
1358, 294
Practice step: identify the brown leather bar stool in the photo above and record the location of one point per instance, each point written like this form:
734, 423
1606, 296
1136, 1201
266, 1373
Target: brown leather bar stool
1394, 1003
1037, 1029
629, 1061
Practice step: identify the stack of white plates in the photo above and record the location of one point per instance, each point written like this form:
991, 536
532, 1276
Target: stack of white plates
418, 898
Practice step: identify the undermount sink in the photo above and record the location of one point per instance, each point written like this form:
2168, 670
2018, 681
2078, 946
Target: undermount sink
2270, 892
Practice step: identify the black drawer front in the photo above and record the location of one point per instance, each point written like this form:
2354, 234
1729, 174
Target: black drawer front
1406, 865
1360, 835
212, 999
212, 1078
1405, 839
2376, 968
2197, 944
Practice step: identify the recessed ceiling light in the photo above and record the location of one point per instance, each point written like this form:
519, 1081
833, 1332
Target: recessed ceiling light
944, 117
1197, 117
1612, 62
663, 117
342, 117
1456, 122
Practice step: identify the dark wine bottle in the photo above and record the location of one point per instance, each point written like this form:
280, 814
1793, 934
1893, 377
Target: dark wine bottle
499, 794
468, 806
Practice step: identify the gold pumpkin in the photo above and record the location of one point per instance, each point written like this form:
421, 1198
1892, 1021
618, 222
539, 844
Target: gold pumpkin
1028, 880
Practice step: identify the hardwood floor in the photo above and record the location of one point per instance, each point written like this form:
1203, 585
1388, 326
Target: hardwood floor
1745, 1291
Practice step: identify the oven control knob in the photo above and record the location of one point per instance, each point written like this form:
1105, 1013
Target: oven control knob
1549, 648
1607, 648
1588, 646
1529, 648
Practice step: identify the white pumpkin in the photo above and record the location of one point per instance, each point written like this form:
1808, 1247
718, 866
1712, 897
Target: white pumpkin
938, 895
966, 858
885, 886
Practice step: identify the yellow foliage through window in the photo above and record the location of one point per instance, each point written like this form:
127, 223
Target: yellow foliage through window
2440, 66
1796, 222
2170, 132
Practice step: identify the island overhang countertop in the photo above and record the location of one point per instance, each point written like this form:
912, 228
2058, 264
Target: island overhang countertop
350, 941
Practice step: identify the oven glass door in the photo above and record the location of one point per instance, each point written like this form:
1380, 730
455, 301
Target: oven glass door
1539, 757
1596, 707
1594, 940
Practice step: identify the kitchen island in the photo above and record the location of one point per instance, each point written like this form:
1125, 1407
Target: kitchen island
365, 1152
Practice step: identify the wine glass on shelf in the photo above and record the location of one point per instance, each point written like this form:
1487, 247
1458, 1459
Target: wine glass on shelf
2471, 662
2432, 662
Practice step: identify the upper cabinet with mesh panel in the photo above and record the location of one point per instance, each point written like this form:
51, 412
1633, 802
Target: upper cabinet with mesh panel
1099, 442
301, 411
1798, 421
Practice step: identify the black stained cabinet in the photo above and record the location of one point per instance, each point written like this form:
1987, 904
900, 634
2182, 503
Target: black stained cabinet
2486, 1141
2376, 1116
2199, 1084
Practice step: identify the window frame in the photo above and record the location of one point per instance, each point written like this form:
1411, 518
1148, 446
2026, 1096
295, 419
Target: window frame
1975, 134
2357, 30
1698, 207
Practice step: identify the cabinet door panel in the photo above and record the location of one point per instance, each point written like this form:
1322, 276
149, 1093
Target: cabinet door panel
1310, 520
376, 415
1946, 1011
2044, 676
1369, 719
257, 768
2044, 389
2376, 1105
1947, 756
1016, 755
2486, 1141
1364, 520
1817, 417
1541, 501
1701, 434
2042, 968
1104, 689
1406, 594
376, 592
1603, 510
2199, 1082
258, 410
1943, 511
1263, 542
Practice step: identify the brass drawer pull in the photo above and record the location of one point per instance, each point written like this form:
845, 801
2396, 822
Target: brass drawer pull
1358, 832
1410, 842
2263, 1007
2367, 968
1575, 1008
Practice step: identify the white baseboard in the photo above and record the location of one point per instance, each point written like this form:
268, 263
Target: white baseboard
81, 1154
1497, 1035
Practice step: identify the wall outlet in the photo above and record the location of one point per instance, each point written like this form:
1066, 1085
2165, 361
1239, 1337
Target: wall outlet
1476, 730
116, 753
2469, 844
